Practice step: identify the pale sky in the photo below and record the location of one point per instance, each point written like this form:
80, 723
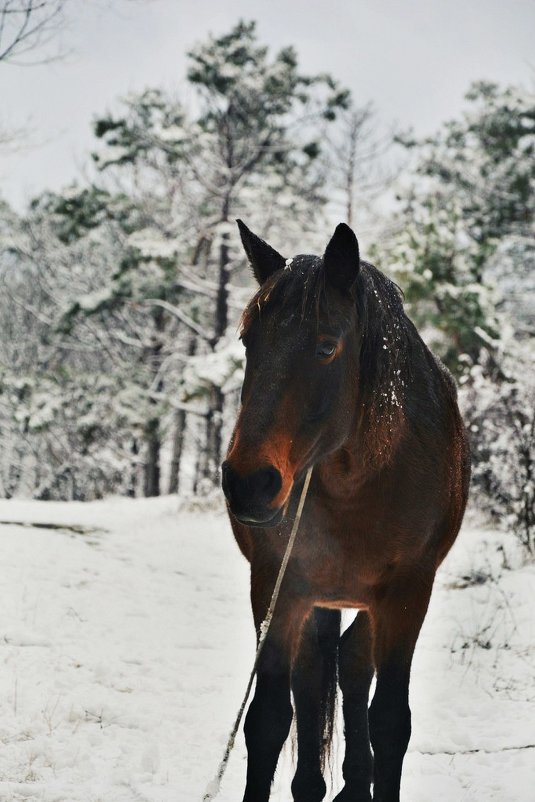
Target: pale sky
413, 58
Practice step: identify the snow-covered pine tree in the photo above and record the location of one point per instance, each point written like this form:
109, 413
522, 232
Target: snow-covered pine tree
470, 210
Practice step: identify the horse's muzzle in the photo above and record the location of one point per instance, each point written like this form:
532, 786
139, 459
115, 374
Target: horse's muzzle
250, 497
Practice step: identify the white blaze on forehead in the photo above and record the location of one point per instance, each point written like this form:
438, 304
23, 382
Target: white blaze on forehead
288, 264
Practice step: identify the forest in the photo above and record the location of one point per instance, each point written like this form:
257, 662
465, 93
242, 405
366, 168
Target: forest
120, 364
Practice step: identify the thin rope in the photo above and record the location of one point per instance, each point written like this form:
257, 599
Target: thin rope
214, 786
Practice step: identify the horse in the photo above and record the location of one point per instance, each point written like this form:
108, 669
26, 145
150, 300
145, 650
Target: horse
338, 378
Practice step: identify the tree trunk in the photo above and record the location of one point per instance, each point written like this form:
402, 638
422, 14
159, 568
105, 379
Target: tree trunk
178, 443
216, 443
197, 476
132, 483
152, 427
210, 455
179, 430
211, 459
152, 464
221, 311
213, 445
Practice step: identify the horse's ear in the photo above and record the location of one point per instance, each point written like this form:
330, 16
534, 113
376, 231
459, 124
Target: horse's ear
264, 259
341, 259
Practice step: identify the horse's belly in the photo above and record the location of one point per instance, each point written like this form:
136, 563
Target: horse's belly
342, 604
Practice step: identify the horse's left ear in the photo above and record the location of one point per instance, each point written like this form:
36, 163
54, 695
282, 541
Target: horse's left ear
263, 259
341, 260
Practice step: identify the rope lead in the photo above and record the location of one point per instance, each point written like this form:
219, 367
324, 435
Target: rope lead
214, 786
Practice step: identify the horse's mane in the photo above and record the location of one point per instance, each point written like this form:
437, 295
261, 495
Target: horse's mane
384, 360
384, 366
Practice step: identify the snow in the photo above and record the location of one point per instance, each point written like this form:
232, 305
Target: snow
92, 300
152, 245
223, 368
127, 641
171, 133
108, 154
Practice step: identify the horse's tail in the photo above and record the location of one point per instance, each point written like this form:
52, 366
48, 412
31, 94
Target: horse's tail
328, 628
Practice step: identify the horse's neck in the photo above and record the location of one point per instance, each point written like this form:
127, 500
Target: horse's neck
351, 465
340, 472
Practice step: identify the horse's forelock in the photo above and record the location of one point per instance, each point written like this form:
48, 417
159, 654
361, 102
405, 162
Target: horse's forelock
299, 287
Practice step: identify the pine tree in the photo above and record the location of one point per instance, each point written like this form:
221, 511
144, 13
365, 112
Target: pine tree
472, 203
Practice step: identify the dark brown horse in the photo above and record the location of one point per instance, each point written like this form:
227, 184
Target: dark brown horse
338, 378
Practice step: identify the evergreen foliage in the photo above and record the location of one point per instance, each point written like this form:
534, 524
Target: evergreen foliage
472, 200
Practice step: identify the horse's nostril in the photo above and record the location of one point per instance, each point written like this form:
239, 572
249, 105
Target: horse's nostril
255, 491
268, 482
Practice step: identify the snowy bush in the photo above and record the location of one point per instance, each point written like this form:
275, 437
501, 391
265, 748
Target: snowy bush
499, 408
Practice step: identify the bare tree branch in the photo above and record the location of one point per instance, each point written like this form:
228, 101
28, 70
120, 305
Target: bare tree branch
28, 26
182, 316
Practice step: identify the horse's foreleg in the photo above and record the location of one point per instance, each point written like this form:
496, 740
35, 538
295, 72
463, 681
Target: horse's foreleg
356, 673
269, 717
397, 615
314, 687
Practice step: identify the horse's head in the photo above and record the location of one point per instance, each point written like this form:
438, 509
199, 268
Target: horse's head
299, 393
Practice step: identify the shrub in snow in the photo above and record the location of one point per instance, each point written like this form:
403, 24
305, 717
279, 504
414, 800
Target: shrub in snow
499, 408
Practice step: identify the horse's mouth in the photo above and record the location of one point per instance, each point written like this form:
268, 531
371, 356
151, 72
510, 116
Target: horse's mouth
260, 523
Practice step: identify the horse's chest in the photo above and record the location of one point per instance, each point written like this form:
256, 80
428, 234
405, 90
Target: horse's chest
341, 561
339, 557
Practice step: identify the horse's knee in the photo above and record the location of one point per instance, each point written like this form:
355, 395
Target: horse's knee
269, 717
390, 731
267, 725
390, 727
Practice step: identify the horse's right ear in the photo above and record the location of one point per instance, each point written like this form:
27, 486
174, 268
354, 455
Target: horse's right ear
341, 260
264, 259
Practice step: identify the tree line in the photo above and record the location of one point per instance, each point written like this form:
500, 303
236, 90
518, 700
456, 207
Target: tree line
120, 366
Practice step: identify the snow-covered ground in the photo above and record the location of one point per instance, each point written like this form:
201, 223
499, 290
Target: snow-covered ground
126, 644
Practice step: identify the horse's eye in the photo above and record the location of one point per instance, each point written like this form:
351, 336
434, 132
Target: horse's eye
326, 350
